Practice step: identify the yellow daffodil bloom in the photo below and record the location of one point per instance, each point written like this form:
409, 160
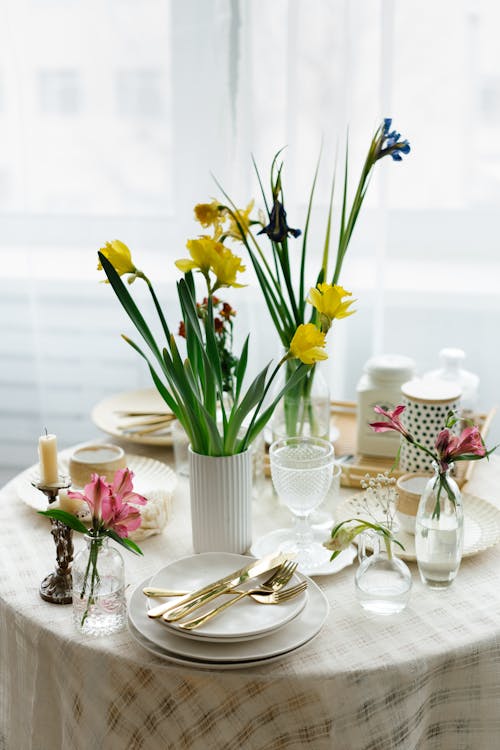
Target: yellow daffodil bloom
225, 266
202, 252
244, 222
308, 344
119, 256
207, 213
329, 302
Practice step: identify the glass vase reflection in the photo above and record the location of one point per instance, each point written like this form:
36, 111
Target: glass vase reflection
99, 606
439, 531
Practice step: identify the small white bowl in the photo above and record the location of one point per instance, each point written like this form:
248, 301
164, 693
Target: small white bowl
102, 458
410, 489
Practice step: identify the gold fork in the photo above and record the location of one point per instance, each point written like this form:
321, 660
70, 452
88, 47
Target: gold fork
283, 573
260, 595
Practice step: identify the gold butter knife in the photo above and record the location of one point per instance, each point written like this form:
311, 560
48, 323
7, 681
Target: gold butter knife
174, 611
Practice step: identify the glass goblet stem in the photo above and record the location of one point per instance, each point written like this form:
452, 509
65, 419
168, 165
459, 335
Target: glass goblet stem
303, 532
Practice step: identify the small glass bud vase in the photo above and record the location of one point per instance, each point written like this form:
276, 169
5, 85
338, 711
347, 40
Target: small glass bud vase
383, 581
99, 606
439, 530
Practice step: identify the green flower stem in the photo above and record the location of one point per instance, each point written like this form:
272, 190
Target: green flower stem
95, 546
388, 546
297, 404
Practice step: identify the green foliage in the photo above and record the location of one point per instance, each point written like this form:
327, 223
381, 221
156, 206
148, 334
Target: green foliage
194, 388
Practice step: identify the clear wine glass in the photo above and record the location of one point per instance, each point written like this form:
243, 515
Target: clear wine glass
301, 470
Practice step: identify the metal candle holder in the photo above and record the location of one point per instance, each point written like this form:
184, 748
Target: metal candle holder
57, 587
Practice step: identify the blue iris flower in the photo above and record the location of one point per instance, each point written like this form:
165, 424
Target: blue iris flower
390, 142
277, 229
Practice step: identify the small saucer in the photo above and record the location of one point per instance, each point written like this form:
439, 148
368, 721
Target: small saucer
280, 540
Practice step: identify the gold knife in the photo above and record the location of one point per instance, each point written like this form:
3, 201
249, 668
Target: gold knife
175, 611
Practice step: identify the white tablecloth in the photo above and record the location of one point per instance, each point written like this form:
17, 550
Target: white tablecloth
427, 678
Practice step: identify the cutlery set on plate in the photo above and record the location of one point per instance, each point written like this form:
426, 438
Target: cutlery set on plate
271, 591
144, 422
240, 618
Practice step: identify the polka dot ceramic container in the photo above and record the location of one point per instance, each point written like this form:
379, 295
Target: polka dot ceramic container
428, 402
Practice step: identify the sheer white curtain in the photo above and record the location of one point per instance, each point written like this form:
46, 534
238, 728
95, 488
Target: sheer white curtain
114, 115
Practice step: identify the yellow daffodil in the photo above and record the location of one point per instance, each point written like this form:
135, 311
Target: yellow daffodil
119, 256
243, 220
211, 215
207, 213
308, 344
225, 266
329, 302
202, 252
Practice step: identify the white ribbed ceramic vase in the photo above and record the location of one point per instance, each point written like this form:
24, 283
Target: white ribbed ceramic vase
221, 496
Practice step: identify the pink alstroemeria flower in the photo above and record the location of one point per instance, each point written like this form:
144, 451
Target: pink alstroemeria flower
393, 423
119, 516
452, 448
122, 487
93, 494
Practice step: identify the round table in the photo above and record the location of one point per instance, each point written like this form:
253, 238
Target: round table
426, 678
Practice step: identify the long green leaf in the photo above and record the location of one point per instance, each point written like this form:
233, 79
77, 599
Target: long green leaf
212, 348
250, 399
326, 247
173, 401
64, 517
129, 305
240, 370
302, 301
124, 541
260, 422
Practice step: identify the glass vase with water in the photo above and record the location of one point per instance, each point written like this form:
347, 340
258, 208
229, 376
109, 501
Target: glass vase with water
439, 530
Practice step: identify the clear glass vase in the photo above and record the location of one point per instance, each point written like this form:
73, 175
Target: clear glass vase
99, 606
439, 530
303, 411
383, 581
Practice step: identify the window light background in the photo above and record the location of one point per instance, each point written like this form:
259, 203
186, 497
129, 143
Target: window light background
116, 115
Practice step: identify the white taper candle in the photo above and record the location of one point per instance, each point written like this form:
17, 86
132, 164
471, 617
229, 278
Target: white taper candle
47, 451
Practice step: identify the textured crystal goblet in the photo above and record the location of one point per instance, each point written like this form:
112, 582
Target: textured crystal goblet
301, 470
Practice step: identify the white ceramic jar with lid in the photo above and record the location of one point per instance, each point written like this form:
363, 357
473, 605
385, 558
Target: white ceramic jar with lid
451, 369
380, 385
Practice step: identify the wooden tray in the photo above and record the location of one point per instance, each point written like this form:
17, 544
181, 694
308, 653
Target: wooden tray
355, 465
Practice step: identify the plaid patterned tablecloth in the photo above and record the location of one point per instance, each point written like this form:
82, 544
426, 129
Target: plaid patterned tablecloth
427, 678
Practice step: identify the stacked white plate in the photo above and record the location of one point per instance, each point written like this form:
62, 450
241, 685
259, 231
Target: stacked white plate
246, 634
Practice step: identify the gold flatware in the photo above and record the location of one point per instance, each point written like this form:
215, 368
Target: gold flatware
152, 592
222, 586
258, 595
279, 578
162, 426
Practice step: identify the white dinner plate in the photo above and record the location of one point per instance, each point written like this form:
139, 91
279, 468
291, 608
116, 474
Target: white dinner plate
245, 620
106, 415
278, 541
481, 523
229, 655
184, 661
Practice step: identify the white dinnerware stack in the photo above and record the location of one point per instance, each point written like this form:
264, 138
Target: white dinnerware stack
246, 634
